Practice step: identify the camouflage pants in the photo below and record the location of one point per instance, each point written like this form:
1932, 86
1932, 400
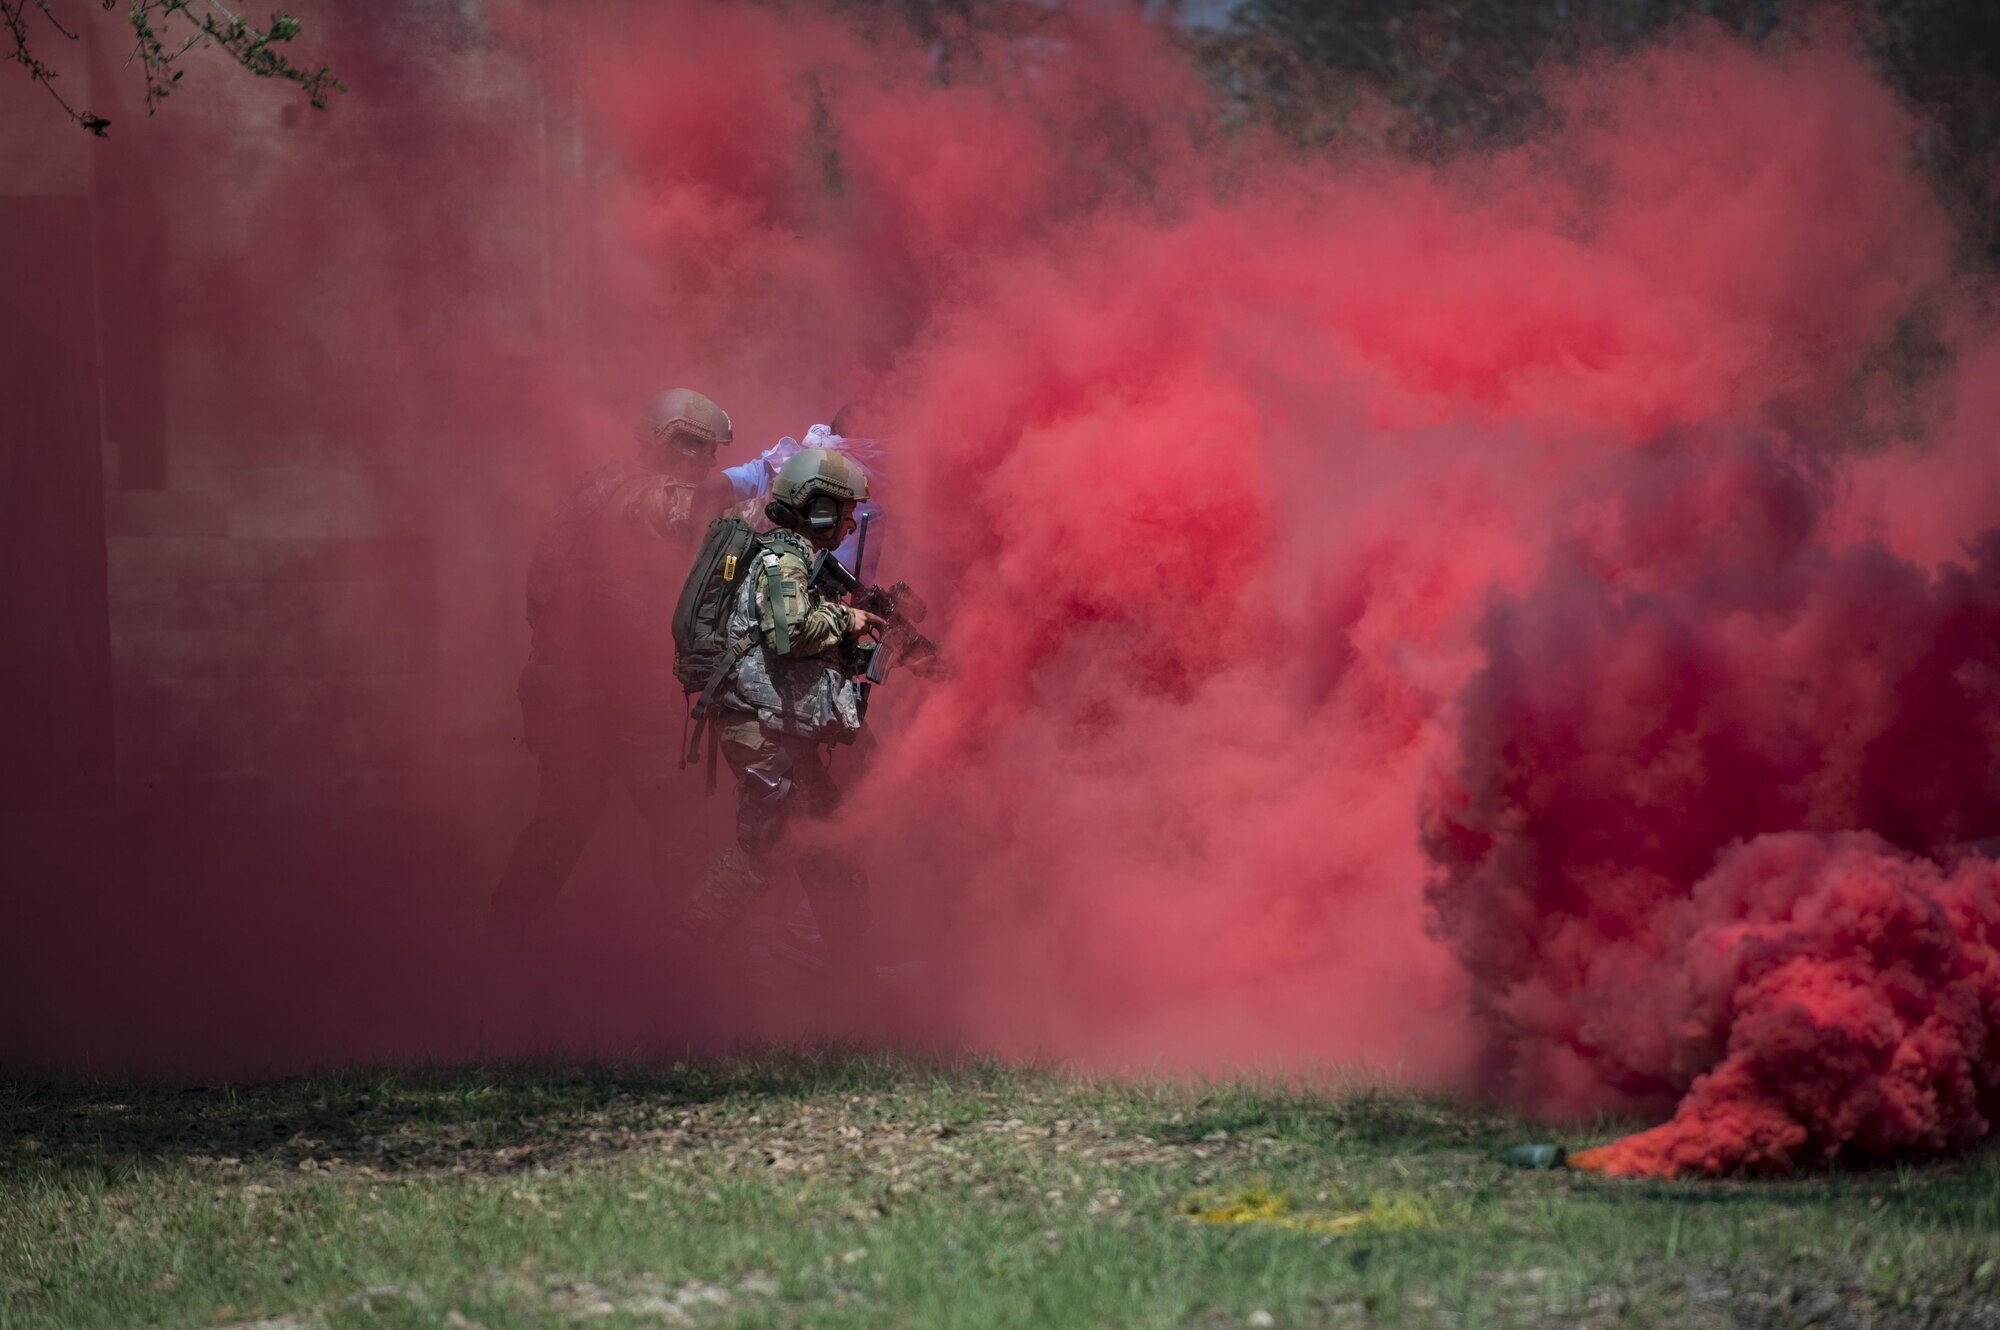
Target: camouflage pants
576, 769
782, 781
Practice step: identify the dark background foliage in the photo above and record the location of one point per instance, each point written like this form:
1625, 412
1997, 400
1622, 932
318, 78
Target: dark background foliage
1467, 75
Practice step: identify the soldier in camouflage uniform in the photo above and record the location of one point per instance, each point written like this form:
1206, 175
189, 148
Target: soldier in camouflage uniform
786, 699
599, 702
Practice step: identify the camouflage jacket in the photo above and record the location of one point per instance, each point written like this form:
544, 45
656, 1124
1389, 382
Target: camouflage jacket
791, 678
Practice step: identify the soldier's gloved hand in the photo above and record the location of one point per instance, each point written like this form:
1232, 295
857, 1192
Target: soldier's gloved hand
860, 621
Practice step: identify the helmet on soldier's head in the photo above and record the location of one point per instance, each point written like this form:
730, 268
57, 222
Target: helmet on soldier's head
812, 488
682, 418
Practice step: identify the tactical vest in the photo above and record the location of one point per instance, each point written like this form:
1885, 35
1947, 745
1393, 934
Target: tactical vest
808, 697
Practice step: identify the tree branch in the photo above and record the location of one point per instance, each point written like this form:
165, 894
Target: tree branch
164, 31
254, 49
14, 16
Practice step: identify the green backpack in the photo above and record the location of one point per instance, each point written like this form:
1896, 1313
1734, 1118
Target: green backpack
701, 617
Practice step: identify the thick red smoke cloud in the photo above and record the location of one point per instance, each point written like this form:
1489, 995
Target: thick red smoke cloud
1406, 613
1834, 995
1684, 837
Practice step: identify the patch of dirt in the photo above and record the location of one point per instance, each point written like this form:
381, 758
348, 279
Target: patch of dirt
1762, 1301
853, 1140
1744, 1299
650, 1296
369, 1138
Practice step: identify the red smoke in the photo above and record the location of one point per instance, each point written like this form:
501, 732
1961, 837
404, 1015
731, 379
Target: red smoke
1834, 995
1547, 526
1649, 836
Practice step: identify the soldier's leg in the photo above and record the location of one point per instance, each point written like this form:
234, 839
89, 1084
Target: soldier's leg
835, 885
573, 774
837, 889
742, 874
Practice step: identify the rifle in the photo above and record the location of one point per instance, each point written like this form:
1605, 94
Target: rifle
900, 609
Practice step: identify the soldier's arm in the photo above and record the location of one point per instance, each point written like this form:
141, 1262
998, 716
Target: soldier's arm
794, 623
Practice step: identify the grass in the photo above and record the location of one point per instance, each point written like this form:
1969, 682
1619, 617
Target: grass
830, 1191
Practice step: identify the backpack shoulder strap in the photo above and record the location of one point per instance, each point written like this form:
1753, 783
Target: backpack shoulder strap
704, 708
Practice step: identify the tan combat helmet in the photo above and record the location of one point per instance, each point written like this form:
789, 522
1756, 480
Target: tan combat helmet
810, 475
682, 418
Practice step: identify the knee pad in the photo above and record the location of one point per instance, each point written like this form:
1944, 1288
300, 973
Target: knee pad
763, 789
770, 776
763, 803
